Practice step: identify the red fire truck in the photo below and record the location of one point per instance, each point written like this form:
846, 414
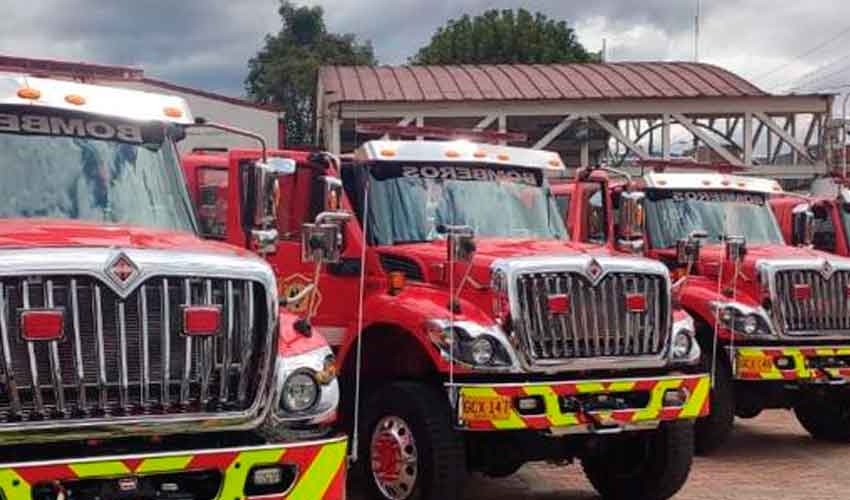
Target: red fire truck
821, 220
136, 359
771, 318
485, 339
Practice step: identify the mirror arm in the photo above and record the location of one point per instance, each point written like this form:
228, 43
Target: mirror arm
202, 122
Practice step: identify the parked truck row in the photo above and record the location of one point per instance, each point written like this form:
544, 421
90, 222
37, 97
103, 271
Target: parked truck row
214, 326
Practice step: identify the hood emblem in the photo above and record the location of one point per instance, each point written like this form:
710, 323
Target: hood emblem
826, 270
122, 269
594, 270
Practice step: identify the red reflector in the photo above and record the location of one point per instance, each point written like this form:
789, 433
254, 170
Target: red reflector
559, 304
42, 324
201, 320
636, 302
802, 291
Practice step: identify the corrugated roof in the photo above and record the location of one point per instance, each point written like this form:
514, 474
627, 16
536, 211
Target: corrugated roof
512, 82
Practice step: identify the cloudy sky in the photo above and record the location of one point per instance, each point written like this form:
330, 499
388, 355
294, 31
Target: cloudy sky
783, 45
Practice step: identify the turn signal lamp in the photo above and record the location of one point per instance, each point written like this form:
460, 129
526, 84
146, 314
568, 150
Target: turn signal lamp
172, 112
636, 302
559, 304
42, 325
397, 281
802, 291
76, 100
201, 321
29, 93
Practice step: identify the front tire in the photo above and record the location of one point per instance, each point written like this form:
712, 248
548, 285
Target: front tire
825, 418
410, 450
713, 430
644, 466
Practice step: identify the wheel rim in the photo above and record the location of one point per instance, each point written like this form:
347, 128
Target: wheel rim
394, 458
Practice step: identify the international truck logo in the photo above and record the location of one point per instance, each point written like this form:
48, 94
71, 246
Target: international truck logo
122, 270
594, 271
826, 270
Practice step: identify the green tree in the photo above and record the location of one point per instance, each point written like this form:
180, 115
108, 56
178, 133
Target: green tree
284, 71
503, 37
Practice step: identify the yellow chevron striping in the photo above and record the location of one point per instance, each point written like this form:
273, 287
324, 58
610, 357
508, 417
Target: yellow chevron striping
315, 481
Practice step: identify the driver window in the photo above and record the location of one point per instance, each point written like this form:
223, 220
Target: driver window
824, 230
593, 202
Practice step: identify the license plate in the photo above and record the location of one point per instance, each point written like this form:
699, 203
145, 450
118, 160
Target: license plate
486, 408
757, 365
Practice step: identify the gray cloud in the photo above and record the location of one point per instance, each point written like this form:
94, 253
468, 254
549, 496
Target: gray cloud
207, 43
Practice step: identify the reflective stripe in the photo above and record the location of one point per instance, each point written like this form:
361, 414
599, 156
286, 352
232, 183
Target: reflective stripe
757, 363
316, 480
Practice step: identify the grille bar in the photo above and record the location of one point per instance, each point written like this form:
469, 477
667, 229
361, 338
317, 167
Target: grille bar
824, 313
598, 322
124, 356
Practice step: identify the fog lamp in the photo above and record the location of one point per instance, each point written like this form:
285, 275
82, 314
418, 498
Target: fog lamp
266, 476
676, 397
270, 479
530, 405
784, 362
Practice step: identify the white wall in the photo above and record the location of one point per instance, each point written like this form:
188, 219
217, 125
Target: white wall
246, 117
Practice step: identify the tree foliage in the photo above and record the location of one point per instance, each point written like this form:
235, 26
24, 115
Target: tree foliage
284, 71
503, 37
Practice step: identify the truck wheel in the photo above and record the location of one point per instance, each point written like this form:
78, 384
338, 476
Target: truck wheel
825, 418
713, 430
409, 449
644, 466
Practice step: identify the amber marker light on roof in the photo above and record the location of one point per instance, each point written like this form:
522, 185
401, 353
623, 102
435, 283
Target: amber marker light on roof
389, 153
29, 93
75, 99
172, 112
503, 157
554, 162
480, 154
451, 153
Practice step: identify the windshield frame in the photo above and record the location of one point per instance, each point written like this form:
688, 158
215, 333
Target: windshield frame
357, 189
651, 209
168, 153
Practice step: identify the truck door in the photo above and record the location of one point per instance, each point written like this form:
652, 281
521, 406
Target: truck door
588, 220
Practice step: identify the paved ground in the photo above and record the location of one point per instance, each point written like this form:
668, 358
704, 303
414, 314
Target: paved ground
769, 458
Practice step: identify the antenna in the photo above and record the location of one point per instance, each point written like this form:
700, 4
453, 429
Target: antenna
696, 33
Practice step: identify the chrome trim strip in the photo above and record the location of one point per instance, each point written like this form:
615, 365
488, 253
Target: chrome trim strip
247, 341
123, 378
224, 385
53, 360
8, 364
145, 376
165, 348
101, 354
187, 359
207, 359
80, 368
38, 400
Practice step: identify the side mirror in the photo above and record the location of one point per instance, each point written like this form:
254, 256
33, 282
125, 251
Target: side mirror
460, 242
330, 195
630, 235
266, 194
802, 225
687, 249
323, 241
736, 248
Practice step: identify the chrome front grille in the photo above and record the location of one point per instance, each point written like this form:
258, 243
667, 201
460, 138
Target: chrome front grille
122, 357
826, 312
598, 322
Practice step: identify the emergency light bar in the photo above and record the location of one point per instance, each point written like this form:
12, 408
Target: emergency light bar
450, 134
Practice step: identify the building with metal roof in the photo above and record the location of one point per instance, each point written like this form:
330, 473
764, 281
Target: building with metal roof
589, 113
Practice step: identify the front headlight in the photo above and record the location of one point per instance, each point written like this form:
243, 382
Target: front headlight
684, 348
742, 319
469, 343
300, 392
682, 345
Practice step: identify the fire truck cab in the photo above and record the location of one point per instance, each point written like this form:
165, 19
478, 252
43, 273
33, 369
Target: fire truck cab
771, 318
138, 360
474, 334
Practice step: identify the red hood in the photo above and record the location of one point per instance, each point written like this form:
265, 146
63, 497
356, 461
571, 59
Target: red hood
712, 255
48, 233
432, 256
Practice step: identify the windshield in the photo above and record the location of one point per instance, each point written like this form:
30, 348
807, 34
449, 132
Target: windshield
672, 215
409, 203
78, 167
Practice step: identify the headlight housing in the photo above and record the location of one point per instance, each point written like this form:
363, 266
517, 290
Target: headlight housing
743, 320
307, 390
469, 343
684, 349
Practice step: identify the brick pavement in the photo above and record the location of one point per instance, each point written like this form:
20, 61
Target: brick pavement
769, 458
